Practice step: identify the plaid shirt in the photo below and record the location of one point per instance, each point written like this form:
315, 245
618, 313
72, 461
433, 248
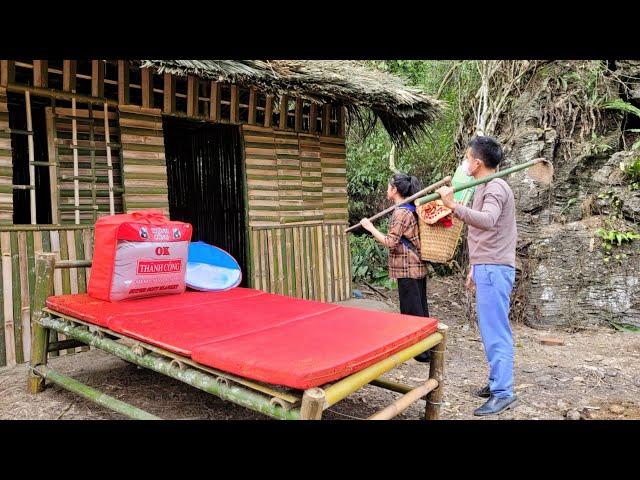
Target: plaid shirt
404, 263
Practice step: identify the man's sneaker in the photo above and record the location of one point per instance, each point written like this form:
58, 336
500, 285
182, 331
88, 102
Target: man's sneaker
496, 405
484, 392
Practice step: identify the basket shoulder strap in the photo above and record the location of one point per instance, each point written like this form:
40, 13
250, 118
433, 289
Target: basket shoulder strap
404, 240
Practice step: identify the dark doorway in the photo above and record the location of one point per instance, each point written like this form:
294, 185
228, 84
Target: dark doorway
206, 183
20, 153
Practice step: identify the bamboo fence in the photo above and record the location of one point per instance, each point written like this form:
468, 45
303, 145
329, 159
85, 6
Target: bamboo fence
18, 245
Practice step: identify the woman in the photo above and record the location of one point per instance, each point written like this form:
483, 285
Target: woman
403, 242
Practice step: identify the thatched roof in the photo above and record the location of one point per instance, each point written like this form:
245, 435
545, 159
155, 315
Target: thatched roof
367, 93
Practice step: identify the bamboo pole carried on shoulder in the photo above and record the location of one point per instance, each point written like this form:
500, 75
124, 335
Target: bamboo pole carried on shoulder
542, 172
419, 194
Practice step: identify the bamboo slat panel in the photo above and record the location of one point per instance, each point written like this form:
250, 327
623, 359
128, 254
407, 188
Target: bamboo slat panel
92, 189
143, 159
17, 282
303, 261
334, 179
294, 178
6, 163
261, 167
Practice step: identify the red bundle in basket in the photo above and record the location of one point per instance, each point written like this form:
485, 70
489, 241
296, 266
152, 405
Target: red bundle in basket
136, 255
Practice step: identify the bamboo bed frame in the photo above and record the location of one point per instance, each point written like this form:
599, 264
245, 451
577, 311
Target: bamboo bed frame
273, 401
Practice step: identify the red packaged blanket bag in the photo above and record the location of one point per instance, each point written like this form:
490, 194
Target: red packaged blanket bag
137, 255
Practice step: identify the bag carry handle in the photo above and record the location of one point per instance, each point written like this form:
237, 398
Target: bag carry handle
150, 215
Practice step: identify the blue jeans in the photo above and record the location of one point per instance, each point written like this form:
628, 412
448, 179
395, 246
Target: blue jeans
493, 289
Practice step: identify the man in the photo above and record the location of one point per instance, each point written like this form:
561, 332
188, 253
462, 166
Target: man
492, 252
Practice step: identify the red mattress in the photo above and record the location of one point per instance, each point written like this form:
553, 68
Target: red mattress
262, 336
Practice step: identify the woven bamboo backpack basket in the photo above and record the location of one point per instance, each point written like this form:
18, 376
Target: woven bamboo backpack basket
437, 243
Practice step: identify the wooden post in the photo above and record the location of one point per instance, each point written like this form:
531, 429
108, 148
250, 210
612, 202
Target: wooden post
192, 96
326, 119
32, 167
268, 111
253, 101
147, 87
109, 164
97, 78
284, 101
7, 72
39, 335
123, 82
92, 154
69, 75
76, 185
40, 73
169, 93
214, 104
313, 113
233, 116
436, 371
298, 114
53, 163
312, 404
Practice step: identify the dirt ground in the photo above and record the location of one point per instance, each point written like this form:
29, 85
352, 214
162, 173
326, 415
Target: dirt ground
594, 375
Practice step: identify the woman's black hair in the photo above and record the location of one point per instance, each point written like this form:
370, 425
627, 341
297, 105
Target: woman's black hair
407, 185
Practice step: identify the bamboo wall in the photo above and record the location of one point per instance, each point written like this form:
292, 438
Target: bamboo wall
18, 245
6, 163
294, 178
144, 165
297, 207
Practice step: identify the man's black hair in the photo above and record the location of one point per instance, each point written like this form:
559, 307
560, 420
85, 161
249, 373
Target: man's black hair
487, 149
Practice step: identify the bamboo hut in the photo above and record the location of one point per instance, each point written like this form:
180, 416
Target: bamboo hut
252, 153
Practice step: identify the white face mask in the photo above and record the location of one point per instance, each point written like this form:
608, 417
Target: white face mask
466, 168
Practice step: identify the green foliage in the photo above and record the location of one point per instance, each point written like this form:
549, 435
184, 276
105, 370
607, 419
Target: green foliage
431, 158
369, 260
612, 238
631, 171
597, 145
622, 106
625, 107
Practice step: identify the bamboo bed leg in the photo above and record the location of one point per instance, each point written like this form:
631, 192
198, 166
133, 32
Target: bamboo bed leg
312, 404
32, 167
436, 371
39, 335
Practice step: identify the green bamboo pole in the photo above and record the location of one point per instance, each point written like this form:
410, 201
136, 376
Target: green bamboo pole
428, 189
191, 376
39, 335
346, 386
390, 385
503, 173
92, 394
46, 247
16, 296
73, 263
